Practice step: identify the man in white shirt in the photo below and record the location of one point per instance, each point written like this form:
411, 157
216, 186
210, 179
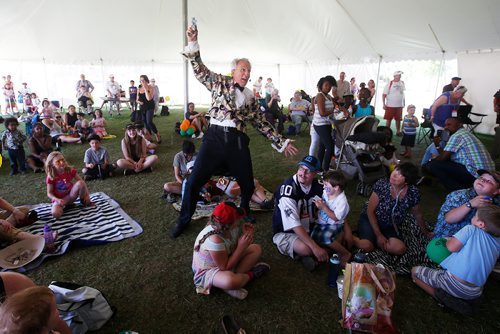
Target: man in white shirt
257, 87
343, 87
113, 90
393, 99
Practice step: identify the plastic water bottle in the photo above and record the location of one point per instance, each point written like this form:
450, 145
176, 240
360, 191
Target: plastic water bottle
48, 235
333, 270
360, 257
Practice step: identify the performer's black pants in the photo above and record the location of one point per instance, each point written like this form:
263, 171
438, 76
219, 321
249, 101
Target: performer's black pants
223, 148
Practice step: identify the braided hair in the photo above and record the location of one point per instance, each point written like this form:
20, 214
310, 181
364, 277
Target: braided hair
218, 229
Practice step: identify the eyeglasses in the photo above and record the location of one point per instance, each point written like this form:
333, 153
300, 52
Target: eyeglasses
485, 180
57, 117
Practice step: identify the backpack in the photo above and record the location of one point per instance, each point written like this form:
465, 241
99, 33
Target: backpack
82, 307
164, 111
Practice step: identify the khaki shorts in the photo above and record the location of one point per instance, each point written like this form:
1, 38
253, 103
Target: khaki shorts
284, 242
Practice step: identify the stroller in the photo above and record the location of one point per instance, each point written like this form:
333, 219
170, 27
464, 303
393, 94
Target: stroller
360, 145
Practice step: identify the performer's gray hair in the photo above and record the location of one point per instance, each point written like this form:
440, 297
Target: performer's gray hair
460, 89
236, 61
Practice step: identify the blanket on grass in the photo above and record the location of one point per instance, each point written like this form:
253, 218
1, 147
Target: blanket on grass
103, 223
205, 210
415, 255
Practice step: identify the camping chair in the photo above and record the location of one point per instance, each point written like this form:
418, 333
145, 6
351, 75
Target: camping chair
426, 131
464, 113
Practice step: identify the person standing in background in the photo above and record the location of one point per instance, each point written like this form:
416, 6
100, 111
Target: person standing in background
496, 107
113, 90
393, 99
85, 83
132, 93
156, 95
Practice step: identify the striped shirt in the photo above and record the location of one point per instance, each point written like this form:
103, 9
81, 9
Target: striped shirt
409, 126
467, 150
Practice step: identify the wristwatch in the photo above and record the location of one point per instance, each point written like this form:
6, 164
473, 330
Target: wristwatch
468, 204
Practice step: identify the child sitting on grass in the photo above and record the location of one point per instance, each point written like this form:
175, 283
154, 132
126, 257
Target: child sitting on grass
98, 124
474, 252
12, 140
225, 257
60, 187
96, 160
333, 209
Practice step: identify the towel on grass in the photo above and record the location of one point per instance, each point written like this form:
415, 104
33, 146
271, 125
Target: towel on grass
105, 222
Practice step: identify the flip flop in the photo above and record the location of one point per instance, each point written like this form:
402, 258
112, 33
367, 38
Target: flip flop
230, 326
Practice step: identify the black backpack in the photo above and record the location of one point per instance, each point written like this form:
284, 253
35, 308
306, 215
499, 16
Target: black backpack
164, 111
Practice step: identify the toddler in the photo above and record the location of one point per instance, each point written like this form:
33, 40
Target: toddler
99, 124
410, 125
333, 209
12, 140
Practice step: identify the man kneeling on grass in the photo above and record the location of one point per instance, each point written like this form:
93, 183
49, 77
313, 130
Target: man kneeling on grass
474, 252
295, 212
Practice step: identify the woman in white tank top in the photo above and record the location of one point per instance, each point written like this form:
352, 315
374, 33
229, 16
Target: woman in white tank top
322, 120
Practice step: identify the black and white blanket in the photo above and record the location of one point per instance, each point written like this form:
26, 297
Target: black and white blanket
105, 222
415, 255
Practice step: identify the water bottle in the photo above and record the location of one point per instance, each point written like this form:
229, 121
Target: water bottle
360, 257
333, 270
48, 235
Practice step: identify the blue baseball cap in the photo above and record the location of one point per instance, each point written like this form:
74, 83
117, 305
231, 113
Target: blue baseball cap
311, 163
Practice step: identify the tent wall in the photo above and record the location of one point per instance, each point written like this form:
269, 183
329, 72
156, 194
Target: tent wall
479, 72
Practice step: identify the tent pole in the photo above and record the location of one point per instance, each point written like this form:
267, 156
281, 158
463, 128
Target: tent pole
279, 75
439, 75
185, 62
376, 82
46, 81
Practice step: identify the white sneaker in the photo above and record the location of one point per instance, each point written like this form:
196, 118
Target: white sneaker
201, 135
237, 293
193, 136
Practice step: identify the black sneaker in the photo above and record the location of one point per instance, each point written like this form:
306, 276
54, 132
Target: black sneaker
176, 230
462, 306
260, 269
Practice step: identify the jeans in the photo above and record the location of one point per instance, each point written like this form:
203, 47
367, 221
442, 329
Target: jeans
326, 145
148, 120
16, 156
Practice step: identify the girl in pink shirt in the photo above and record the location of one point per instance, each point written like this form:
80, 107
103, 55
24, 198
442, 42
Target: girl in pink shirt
60, 187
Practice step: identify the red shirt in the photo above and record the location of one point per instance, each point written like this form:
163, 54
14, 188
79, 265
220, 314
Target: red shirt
62, 183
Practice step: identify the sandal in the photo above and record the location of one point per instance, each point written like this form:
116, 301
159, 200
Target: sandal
230, 326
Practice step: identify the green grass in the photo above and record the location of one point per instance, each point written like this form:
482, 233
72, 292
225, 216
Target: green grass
149, 278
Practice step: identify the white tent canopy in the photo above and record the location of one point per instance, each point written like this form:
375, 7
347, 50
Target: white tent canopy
294, 41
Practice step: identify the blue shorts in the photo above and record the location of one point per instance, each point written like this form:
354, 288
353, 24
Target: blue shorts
365, 230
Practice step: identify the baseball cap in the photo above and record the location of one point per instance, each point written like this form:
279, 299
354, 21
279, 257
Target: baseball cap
311, 163
398, 73
456, 78
227, 213
130, 126
494, 174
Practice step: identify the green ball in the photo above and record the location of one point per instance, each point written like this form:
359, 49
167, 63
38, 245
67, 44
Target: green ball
182, 133
189, 131
437, 250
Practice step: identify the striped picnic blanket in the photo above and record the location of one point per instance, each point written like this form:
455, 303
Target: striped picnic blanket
105, 222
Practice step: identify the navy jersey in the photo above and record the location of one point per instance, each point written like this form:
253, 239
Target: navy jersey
293, 207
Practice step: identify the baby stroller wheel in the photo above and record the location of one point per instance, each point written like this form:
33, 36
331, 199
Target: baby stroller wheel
368, 190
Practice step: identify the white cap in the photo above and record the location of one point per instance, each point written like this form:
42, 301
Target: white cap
398, 73
111, 76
